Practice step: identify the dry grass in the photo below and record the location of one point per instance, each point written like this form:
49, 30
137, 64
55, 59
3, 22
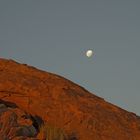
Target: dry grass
48, 132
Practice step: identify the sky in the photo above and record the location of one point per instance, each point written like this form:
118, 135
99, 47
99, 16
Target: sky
54, 35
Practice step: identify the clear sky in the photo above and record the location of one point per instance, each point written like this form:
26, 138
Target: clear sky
54, 35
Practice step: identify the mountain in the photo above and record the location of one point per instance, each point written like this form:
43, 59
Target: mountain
30, 98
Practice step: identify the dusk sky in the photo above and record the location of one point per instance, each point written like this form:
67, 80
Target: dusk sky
54, 35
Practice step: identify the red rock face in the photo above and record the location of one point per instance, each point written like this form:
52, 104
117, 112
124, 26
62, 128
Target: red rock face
64, 104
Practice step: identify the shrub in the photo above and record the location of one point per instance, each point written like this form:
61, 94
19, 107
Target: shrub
48, 132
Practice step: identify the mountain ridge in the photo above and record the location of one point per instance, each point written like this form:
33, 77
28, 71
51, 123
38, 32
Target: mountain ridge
59, 101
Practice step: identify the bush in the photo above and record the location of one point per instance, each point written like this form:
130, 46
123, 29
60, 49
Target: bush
48, 132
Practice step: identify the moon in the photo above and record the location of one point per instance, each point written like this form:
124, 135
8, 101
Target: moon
89, 53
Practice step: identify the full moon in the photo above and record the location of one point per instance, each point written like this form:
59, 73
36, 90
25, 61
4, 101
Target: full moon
89, 53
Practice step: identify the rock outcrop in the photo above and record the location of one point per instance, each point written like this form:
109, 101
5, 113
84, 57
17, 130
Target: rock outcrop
61, 103
15, 124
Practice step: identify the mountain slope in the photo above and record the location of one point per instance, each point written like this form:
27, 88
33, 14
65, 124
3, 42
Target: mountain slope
65, 104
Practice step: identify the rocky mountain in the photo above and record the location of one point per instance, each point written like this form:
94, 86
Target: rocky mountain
30, 98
